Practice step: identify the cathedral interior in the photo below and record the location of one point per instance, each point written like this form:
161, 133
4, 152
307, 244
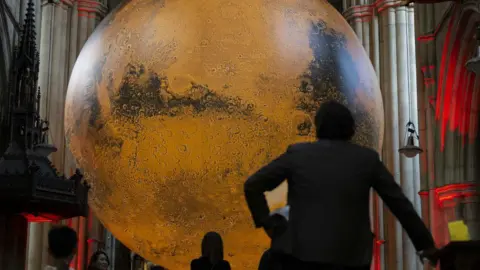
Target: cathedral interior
425, 55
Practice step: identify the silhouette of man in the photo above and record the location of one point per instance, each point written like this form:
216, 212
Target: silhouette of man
329, 184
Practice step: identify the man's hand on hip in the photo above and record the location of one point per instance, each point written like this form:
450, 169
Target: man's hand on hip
275, 225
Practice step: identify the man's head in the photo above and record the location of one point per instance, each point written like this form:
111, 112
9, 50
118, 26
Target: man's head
334, 121
62, 242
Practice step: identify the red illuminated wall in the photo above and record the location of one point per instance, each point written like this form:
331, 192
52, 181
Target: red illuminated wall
457, 99
455, 105
448, 199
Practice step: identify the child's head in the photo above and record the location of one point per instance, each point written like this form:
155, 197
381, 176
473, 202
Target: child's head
62, 242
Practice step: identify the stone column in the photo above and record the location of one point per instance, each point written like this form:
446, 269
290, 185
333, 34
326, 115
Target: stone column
434, 158
405, 109
69, 162
358, 27
109, 240
412, 58
56, 101
366, 19
425, 80
13, 247
375, 42
35, 246
376, 205
83, 13
392, 230
355, 14
35, 230
53, 50
89, 14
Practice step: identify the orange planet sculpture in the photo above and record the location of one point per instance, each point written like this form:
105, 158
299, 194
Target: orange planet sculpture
173, 103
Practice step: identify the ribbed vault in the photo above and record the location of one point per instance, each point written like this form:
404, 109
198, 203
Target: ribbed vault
457, 88
458, 98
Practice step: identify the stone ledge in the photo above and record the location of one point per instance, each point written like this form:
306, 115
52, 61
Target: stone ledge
91, 6
367, 11
448, 194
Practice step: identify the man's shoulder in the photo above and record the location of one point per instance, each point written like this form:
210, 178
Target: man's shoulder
299, 146
198, 261
348, 145
364, 149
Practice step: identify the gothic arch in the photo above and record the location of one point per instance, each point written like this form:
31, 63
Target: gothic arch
458, 89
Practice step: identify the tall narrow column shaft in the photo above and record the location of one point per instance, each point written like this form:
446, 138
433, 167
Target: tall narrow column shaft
412, 79
376, 208
406, 164
435, 157
56, 101
366, 38
358, 28
35, 230
13, 248
35, 245
393, 232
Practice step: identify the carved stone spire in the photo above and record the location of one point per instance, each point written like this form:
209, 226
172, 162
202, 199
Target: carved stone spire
29, 183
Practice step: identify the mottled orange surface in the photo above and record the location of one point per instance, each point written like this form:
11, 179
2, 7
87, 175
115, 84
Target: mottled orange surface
172, 104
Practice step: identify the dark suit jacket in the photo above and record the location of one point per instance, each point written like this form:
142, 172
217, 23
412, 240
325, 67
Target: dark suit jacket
328, 191
203, 263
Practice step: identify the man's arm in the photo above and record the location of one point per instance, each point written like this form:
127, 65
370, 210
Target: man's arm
266, 179
393, 196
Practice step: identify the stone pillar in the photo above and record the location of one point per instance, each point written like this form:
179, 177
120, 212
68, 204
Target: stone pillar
358, 27
35, 236
56, 101
109, 240
374, 46
407, 176
375, 42
424, 109
361, 16
432, 159
357, 15
412, 69
89, 14
392, 230
366, 20
82, 25
35, 245
69, 162
52, 77
345, 5
13, 239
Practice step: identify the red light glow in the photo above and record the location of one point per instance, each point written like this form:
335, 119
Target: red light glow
456, 85
41, 217
446, 195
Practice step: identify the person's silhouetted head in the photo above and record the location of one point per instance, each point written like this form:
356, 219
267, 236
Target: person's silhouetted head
62, 242
212, 247
99, 261
334, 121
157, 267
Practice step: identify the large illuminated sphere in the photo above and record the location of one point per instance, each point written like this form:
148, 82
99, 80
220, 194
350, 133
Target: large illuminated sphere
172, 104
